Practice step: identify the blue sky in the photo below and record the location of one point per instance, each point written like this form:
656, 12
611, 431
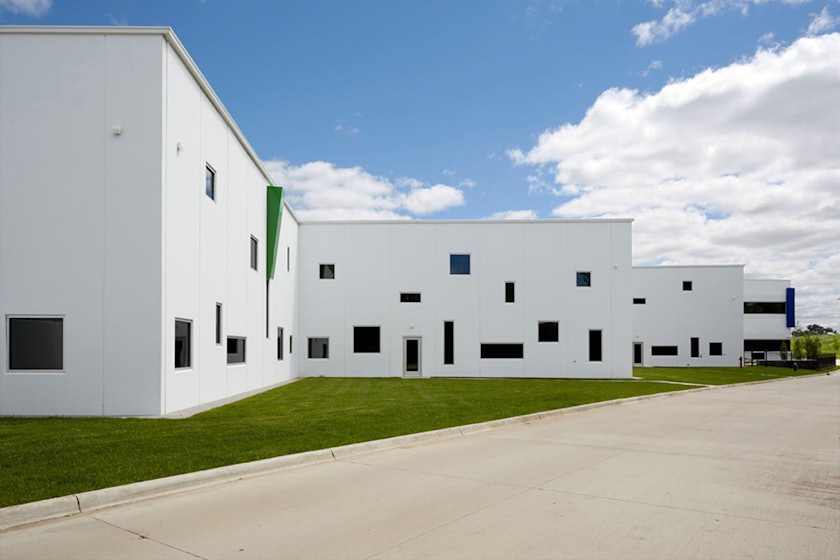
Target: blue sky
713, 123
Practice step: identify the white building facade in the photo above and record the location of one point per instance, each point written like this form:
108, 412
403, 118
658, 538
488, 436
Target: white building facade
769, 315
486, 299
134, 222
688, 315
148, 265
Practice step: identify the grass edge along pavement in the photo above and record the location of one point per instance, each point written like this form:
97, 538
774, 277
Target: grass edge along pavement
49, 457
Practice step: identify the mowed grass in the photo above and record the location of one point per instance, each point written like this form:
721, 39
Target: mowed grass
48, 457
718, 376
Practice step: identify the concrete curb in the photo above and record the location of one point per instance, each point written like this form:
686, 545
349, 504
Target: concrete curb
85, 502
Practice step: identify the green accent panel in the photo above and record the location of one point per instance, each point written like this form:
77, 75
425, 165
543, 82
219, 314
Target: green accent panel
274, 206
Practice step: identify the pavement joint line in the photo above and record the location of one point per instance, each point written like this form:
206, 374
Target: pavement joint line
146, 537
21, 515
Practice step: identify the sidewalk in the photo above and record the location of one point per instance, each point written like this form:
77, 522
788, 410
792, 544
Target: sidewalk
740, 472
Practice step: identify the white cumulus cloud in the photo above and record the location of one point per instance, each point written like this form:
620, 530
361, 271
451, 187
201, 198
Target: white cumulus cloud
682, 13
33, 8
739, 164
823, 22
513, 215
319, 190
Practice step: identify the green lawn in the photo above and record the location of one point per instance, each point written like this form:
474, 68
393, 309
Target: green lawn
47, 457
717, 376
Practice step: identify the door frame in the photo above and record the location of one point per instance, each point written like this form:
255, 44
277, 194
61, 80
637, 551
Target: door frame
419, 372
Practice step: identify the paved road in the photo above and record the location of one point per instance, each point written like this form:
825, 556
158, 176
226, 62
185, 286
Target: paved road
740, 472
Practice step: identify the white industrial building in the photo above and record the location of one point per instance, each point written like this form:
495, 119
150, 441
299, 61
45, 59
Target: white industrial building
148, 265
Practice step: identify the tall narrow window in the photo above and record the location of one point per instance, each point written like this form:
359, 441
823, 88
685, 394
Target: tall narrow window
218, 323
235, 350
326, 271
583, 279
459, 264
448, 343
183, 344
279, 343
288, 259
254, 252
695, 347
210, 182
36, 343
595, 354
510, 292
291, 343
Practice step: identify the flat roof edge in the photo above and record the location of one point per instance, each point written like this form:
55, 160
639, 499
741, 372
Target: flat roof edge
172, 39
409, 221
660, 266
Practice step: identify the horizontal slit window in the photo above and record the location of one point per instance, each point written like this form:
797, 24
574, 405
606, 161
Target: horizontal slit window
765, 307
410, 297
664, 350
502, 351
639, 301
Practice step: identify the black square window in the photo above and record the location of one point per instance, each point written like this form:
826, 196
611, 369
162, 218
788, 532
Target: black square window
715, 349
235, 350
459, 264
319, 348
687, 285
326, 271
366, 340
583, 279
548, 331
36, 343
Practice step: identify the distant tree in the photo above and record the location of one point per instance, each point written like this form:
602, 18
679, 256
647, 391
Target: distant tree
797, 348
813, 329
812, 347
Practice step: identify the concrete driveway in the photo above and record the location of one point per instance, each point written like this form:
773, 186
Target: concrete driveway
738, 472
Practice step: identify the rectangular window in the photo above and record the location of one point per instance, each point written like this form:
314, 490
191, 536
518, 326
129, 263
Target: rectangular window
583, 279
326, 271
366, 340
548, 331
210, 182
695, 347
218, 323
510, 292
595, 354
501, 351
688, 285
279, 343
183, 344
639, 301
288, 259
664, 351
448, 343
254, 252
319, 348
409, 297
765, 307
235, 350
291, 345
716, 349
36, 343
459, 264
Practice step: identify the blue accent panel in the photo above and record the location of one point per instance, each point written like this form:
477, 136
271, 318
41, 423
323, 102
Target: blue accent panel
790, 306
